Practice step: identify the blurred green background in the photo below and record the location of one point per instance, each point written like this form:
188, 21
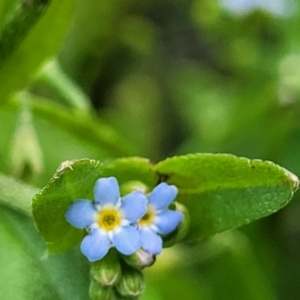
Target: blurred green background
155, 79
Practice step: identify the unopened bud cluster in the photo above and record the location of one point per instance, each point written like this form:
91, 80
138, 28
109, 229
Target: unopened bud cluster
113, 279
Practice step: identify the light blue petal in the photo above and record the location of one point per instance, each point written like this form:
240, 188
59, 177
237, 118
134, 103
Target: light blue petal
162, 195
167, 221
134, 206
81, 213
151, 242
106, 191
95, 245
127, 241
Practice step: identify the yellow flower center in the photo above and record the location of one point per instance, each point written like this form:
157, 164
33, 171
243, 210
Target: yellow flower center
148, 217
109, 219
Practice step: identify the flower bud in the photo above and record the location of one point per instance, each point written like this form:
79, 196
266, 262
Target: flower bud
132, 282
180, 232
26, 154
107, 271
140, 259
100, 292
133, 185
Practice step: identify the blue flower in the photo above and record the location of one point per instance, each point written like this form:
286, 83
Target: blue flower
158, 220
110, 220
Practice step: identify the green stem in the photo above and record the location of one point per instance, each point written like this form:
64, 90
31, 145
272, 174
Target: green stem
87, 127
53, 76
19, 24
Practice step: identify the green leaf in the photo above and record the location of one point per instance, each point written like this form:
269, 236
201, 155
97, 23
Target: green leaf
74, 180
15, 194
20, 22
222, 191
42, 42
25, 270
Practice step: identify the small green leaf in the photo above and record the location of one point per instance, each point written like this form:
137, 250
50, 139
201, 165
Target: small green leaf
222, 191
74, 180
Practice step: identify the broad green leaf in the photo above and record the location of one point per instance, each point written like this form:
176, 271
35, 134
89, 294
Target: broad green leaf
26, 273
219, 191
222, 191
74, 180
42, 42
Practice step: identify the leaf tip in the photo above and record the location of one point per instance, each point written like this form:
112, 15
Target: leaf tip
68, 164
293, 178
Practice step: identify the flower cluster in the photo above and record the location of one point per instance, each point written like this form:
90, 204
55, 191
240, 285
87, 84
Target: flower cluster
129, 223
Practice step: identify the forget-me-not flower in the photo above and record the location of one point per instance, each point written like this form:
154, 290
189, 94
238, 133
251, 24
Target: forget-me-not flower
110, 219
158, 220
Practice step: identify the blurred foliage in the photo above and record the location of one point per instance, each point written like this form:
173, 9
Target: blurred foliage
169, 77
